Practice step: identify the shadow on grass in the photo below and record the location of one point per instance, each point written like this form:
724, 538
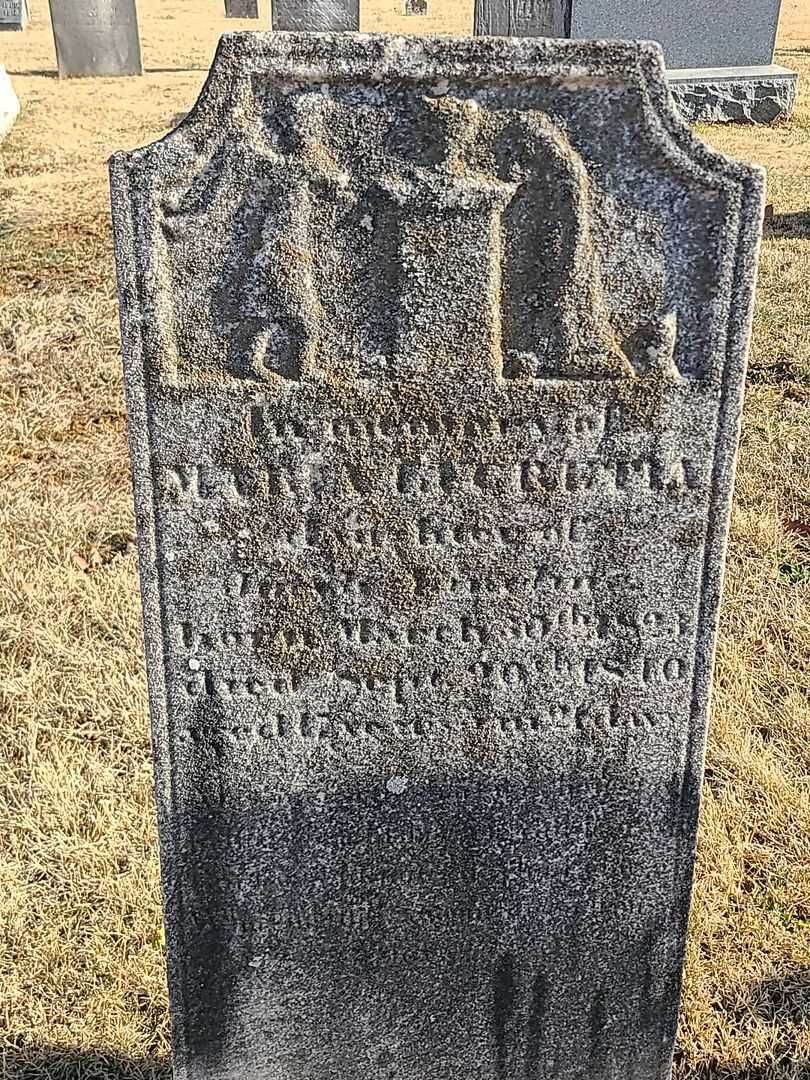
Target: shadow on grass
52, 73
795, 225
53, 1063
43, 73
782, 1002
174, 70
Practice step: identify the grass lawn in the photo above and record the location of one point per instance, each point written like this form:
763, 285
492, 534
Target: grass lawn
81, 953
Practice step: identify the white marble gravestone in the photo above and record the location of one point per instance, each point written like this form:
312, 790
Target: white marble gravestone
434, 354
9, 104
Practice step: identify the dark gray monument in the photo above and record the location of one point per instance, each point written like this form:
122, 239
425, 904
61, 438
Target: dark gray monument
14, 14
434, 354
241, 9
309, 15
719, 52
522, 18
96, 37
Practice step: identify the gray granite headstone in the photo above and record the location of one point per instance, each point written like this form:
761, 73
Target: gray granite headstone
96, 37
13, 14
692, 33
522, 18
241, 9
434, 354
718, 52
311, 15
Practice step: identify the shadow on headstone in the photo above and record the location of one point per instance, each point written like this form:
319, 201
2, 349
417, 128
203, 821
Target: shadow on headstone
512, 18
323, 946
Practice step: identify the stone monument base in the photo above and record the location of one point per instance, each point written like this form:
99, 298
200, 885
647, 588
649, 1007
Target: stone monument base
753, 95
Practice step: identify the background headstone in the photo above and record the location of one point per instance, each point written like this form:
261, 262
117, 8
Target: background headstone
692, 33
313, 15
719, 53
416, 16
13, 14
522, 18
96, 37
241, 9
434, 356
9, 104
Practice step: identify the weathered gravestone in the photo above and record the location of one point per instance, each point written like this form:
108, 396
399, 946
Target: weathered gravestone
241, 9
522, 18
434, 357
14, 14
96, 37
307, 15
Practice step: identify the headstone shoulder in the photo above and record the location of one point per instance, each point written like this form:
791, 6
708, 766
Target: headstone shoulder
434, 352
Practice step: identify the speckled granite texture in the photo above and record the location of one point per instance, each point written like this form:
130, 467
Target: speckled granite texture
434, 355
738, 95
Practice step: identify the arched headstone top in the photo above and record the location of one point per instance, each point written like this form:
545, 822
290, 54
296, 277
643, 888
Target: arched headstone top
434, 353
626, 152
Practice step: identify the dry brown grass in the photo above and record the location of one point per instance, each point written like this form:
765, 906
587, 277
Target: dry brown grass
81, 955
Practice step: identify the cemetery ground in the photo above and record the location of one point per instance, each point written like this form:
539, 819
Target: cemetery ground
81, 952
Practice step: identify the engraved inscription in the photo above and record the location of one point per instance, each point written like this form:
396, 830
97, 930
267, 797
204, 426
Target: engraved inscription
13, 11
434, 353
463, 587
